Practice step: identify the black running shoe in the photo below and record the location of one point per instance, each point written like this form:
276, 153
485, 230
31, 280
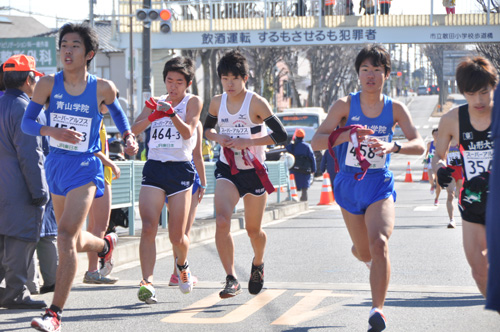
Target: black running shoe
376, 322
231, 289
256, 279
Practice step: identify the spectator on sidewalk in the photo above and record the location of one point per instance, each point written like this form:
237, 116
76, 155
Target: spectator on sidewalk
23, 188
46, 248
2, 85
305, 162
328, 165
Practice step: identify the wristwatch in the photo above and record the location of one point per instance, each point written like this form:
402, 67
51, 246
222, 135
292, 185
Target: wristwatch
398, 146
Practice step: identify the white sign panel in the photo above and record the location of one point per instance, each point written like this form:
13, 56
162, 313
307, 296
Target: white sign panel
325, 36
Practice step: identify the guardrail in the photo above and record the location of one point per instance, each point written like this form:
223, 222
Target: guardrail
126, 189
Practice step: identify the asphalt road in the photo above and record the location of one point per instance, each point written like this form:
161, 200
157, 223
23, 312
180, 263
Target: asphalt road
313, 283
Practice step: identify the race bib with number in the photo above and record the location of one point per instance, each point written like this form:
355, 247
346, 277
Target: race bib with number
368, 153
164, 135
477, 162
77, 123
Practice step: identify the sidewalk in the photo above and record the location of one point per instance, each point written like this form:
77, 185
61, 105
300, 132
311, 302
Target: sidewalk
203, 229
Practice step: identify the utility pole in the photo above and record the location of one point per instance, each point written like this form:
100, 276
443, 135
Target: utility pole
91, 20
146, 56
132, 62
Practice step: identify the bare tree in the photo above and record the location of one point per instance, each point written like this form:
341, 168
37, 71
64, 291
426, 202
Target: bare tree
290, 58
435, 54
490, 51
331, 69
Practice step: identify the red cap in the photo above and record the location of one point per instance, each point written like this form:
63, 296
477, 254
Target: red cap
300, 133
21, 62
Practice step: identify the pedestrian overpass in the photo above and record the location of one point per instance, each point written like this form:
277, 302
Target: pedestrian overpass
229, 24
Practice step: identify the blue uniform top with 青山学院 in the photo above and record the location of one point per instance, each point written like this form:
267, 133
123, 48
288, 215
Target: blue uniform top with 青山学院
70, 166
80, 113
353, 195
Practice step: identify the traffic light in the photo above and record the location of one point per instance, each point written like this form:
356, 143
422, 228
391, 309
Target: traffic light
147, 15
165, 25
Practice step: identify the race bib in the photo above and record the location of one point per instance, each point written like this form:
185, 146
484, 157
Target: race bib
477, 162
77, 123
164, 135
368, 153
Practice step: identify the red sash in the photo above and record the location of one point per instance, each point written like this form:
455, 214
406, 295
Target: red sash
250, 159
363, 163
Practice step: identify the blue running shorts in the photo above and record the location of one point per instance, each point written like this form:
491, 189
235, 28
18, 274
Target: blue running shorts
67, 172
246, 181
171, 176
196, 185
356, 196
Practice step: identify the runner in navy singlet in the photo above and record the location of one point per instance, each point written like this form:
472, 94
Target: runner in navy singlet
470, 125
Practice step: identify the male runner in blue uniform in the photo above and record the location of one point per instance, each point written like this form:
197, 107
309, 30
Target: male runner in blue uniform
367, 205
74, 174
470, 125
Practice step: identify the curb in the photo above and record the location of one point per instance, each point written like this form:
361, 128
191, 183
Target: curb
127, 249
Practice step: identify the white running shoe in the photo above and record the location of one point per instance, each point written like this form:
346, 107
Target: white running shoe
452, 224
147, 293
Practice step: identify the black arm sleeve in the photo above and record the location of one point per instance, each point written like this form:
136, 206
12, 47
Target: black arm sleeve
279, 134
210, 122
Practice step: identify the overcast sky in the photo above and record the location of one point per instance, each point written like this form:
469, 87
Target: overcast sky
78, 10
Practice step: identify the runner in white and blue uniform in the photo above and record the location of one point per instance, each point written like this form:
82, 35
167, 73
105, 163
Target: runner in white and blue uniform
168, 171
367, 205
74, 174
470, 125
198, 191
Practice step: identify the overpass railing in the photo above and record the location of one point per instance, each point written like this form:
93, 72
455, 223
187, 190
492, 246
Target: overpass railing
209, 15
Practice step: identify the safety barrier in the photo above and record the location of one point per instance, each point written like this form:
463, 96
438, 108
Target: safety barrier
126, 189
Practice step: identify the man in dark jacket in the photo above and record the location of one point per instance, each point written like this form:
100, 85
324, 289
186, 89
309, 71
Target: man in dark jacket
23, 188
305, 162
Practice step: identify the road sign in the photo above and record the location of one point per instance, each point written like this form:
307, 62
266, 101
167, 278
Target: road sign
450, 61
43, 49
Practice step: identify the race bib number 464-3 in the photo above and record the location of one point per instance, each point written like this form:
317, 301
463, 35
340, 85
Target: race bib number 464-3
164, 135
77, 123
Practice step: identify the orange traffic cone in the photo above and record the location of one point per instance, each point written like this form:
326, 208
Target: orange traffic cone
408, 177
425, 174
326, 197
293, 188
